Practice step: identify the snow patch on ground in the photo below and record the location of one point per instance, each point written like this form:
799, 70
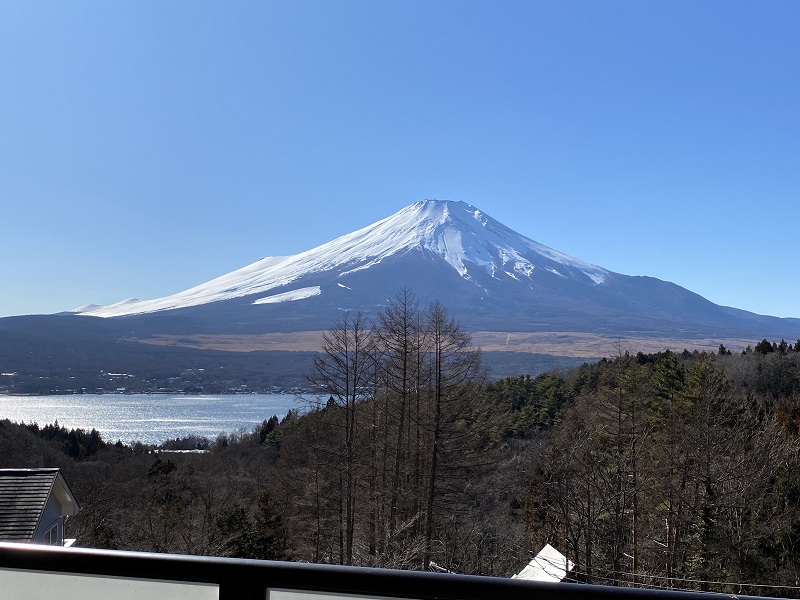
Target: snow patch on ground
300, 294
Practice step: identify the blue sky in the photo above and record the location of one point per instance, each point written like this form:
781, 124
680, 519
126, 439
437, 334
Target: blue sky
146, 147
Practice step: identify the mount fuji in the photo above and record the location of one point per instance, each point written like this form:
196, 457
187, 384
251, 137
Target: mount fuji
491, 278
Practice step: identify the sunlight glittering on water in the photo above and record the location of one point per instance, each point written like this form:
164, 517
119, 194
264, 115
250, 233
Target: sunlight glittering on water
149, 418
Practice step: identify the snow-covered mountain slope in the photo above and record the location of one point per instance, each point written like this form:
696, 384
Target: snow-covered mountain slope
470, 241
487, 275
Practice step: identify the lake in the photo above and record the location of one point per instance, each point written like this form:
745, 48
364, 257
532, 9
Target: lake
149, 418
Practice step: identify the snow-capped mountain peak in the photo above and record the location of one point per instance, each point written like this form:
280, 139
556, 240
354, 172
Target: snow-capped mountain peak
470, 241
462, 234
490, 277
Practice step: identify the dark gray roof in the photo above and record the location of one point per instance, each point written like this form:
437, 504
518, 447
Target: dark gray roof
23, 495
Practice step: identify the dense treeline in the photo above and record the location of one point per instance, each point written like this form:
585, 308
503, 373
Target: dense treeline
665, 470
675, 471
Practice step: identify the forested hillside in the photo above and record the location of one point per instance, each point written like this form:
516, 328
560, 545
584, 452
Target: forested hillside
664, 470
675, 471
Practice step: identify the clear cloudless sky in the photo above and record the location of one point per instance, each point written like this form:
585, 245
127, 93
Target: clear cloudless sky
146, 147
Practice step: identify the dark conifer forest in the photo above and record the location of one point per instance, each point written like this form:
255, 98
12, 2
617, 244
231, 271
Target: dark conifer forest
668, 470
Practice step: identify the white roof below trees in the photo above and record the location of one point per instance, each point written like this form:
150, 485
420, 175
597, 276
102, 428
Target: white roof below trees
549, 565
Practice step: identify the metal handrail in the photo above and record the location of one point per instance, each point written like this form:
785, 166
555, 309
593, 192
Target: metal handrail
244, 579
